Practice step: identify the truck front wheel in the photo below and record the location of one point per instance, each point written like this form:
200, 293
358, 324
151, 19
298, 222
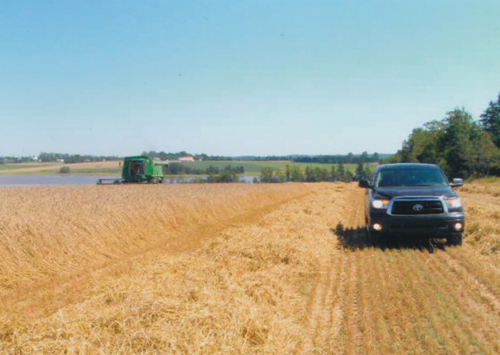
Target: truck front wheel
454, 239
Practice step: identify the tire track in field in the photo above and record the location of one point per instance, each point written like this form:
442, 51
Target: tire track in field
477, 270
353, 336
326, 315
476, 304
329, 310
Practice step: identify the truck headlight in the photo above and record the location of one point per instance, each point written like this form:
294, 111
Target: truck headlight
454, 203
380, 204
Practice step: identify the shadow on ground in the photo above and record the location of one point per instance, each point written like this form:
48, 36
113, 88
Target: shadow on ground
357, 238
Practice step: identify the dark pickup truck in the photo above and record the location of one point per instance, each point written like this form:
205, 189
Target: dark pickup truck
413, 200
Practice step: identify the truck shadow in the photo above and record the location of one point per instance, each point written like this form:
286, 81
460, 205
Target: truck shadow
357, 238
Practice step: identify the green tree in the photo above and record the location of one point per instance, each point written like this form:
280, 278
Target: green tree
364, 157
288, 173
490, 121
360, 169
64, 170
280, 176
348, 176
333, 173
486, 154
341, 172
423, 144
320, 174
308, 175
296, 174
266, 175
226, 176
457, 143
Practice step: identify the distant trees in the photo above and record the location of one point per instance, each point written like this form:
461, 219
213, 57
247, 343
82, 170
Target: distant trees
174, 156
223, 177
462, 146
73, 158
64, 170
362, 170
267, 175
296, 174
185, 169
341, 172
350, 158
308, 174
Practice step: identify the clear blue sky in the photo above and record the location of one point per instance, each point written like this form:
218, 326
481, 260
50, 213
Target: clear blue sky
239, 77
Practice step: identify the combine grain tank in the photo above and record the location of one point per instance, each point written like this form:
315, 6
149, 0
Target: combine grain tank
139, 169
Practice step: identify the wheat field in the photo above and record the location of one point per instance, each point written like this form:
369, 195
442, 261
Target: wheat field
238, 269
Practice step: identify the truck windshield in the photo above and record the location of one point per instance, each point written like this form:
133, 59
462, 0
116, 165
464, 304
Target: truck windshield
410, 177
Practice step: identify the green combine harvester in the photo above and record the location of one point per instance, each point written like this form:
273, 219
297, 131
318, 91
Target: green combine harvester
139, 170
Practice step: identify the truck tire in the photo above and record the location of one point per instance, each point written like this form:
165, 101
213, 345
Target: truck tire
373, 237
454, 239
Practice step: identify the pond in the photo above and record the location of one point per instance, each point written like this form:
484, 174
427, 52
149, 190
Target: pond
79, 180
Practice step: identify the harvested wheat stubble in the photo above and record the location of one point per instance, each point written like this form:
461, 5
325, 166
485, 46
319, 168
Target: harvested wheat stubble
49, 230
54, 239
233, 295
296, 277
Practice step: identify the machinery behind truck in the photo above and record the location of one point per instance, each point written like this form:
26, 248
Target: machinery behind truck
139, 169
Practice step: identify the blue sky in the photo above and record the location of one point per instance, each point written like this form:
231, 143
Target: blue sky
239, 77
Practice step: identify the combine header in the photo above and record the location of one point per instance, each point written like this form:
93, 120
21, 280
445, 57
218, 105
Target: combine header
139, 170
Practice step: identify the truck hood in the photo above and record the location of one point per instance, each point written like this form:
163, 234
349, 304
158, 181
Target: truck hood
390, 192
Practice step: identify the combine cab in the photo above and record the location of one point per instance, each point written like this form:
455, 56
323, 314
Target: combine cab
139, 170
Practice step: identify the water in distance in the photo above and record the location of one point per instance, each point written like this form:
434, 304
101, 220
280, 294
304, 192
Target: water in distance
78, 180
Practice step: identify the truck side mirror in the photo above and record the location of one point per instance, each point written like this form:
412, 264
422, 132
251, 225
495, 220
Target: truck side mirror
457, 182
364, 184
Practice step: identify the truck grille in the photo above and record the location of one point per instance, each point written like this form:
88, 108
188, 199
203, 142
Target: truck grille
417, 207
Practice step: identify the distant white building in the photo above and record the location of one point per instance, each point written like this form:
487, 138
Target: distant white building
35, 158
186, 159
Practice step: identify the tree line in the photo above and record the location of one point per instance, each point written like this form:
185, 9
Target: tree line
316, 174
349, 158
185, 169
462, 146
175, 156
57, 157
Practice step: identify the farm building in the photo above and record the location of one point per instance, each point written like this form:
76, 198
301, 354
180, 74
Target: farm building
186, 159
